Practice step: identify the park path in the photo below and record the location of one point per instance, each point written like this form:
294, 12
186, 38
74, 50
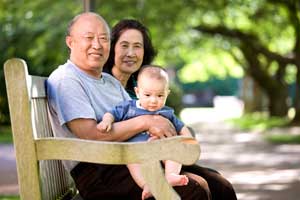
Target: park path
258, 170
8, 172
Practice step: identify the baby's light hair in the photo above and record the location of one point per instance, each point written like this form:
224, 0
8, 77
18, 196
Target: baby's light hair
154, 72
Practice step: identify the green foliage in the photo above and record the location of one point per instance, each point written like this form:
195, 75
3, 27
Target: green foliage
258, 121
34, 31
9, 197
30, 30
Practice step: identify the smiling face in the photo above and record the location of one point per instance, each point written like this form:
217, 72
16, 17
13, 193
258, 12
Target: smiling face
89, 44
129, 52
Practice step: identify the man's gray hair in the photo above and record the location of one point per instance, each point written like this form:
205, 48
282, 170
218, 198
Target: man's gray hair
75, 19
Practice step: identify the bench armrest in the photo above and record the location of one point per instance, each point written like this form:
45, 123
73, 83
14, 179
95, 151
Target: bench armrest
181, 149
185, 150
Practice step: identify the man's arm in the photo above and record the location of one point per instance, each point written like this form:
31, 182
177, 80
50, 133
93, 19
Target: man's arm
121, 131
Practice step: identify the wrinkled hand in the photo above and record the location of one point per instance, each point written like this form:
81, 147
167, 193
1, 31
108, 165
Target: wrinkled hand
104, 126
160, 126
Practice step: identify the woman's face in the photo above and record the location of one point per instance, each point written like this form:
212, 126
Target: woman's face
129, 52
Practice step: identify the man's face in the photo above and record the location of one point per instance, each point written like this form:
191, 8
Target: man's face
89, 44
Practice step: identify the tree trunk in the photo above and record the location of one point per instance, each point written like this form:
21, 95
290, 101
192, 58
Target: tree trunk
252, 95
278, 103
273, 87
296, 101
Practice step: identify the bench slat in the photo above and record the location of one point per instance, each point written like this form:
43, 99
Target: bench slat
37, 86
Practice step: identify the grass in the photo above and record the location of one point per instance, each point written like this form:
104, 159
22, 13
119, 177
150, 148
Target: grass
261, 122
5, 135
258, 122
283, 139
9, 197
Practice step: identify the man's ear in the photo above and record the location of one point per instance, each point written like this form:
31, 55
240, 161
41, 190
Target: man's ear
136, 90
69, 41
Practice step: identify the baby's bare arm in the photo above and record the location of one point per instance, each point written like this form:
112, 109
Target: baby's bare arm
121, 131
106, 123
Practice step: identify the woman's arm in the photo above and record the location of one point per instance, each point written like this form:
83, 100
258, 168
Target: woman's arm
185, 131
121, 131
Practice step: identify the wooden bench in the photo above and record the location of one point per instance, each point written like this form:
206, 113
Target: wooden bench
41, 175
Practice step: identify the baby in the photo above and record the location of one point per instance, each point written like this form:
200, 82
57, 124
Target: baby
152, 91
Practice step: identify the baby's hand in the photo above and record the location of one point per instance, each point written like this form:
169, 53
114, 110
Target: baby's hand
152, 137
104, 126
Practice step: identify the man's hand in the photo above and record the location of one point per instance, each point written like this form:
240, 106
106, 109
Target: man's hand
160, 126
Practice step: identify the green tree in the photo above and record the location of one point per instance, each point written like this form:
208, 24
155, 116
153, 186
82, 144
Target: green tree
266, 39
34, 31
261, 36
199, 38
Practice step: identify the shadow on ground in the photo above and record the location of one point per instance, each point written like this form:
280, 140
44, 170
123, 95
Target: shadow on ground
257, 169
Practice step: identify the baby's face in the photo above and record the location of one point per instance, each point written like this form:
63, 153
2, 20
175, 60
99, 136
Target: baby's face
152, 94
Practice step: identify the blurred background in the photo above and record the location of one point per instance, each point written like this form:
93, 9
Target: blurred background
247, 49
241, 57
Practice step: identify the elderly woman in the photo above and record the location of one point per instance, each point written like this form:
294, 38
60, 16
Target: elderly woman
131, 48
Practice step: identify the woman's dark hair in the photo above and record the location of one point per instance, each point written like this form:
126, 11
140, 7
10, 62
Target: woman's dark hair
116, 32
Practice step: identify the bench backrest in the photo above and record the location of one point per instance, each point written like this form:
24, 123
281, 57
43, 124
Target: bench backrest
45, 179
